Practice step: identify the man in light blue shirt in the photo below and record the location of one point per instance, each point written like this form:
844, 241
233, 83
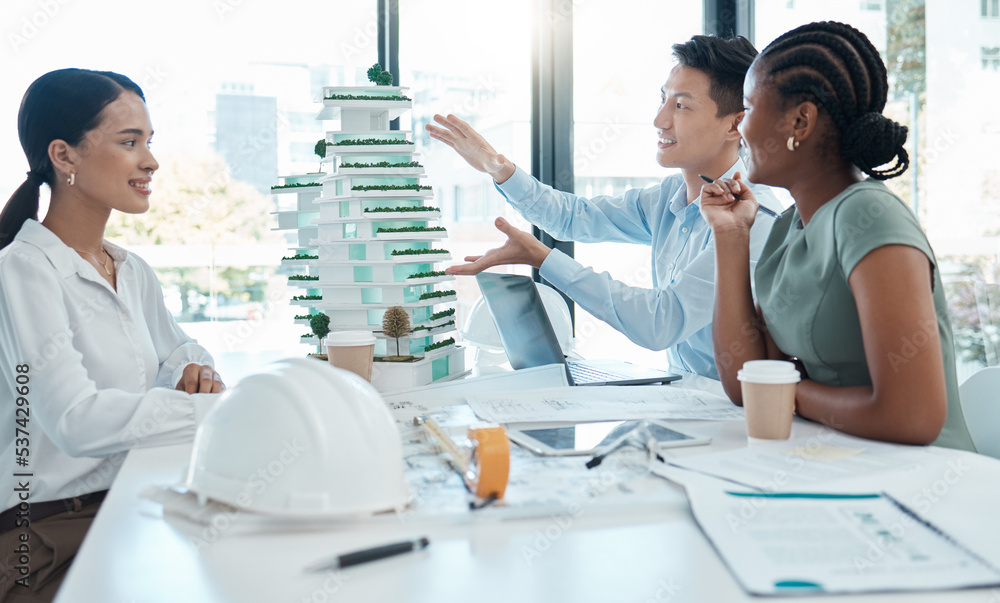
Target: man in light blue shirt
701, 107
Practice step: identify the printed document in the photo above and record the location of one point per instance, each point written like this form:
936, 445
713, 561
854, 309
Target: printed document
810, 463
795, 545
602, 404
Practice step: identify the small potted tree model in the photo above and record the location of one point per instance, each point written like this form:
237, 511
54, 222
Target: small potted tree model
379, 77
320, 149
320, 325
396, 323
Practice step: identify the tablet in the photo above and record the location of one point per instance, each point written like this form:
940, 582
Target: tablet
597, 438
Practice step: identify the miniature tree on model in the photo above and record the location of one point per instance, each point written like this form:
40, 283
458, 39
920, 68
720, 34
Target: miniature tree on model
379, 77
320, 324
396, 323
320, 149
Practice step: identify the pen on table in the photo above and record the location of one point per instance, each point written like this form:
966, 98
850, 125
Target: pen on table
760, 208
825, 495
366, 555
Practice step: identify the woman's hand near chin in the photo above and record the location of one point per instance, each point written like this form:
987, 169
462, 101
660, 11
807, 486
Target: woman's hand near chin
728, 205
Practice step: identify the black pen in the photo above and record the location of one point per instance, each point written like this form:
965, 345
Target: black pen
372, 554
760, 207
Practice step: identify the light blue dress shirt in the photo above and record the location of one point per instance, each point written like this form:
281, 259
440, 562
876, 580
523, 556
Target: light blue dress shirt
676, 314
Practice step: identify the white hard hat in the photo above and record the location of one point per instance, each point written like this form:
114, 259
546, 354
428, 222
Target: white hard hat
301, 438
481, 331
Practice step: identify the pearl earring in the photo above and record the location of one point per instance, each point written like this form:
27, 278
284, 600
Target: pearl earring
792, 143
72, 179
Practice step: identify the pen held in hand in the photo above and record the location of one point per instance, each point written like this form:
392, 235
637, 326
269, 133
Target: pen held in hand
366, 555
764, 210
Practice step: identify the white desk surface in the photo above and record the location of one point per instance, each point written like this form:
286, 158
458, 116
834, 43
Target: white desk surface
657, 553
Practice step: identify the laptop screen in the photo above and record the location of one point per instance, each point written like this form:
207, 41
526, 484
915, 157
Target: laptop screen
523, 325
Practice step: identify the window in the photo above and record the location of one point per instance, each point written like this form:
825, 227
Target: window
225, 123
489, 89
303, 152
302, 121
237, 88
616, 93
991, 58
990, 8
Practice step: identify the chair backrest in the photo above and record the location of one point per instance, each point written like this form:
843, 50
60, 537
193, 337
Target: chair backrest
988, 304
980, 399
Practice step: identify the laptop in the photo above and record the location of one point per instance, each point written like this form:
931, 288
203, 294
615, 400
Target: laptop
530, 340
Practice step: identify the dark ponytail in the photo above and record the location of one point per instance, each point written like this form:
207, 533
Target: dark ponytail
60, 105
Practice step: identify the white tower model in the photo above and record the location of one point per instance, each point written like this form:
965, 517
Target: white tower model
373, 244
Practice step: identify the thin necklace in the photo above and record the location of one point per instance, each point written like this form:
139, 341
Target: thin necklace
99, 263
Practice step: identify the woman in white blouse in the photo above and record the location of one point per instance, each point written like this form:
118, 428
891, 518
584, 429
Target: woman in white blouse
91, 362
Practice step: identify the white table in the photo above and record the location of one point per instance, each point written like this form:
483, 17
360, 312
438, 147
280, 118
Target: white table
647, 554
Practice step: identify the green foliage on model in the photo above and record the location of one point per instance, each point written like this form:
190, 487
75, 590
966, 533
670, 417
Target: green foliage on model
442, 314
320, 325
430, 274
296, 185
390, 187
423, 328
418, 251
434, 294
370, 142
382, 164
401, 209
440, 344
379, 77
412, 229
372, 97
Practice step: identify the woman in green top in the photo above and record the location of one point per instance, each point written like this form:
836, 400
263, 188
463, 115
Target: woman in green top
847, 284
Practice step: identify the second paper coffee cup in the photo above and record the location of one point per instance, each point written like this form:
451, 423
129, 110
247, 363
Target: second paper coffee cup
352, 350
768, 388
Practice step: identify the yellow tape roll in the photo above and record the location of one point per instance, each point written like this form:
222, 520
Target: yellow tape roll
490, 466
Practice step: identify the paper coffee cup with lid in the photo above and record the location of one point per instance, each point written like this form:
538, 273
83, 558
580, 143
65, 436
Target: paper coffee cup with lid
351, 350
768, 388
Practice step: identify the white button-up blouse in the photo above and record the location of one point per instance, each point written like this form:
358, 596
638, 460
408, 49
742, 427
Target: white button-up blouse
86, 373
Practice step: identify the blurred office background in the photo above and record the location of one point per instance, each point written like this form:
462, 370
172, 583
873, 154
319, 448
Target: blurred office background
231, 88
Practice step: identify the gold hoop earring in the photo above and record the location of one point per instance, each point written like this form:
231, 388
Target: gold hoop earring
72, 179
792, 143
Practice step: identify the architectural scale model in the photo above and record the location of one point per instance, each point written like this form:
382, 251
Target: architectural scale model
367, 239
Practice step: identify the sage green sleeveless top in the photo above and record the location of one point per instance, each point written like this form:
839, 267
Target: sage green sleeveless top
802, 288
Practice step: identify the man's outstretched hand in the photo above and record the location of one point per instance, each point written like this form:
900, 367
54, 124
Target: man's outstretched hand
521, 248
471, 146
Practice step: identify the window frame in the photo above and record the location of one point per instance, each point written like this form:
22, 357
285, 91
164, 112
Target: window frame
552, 85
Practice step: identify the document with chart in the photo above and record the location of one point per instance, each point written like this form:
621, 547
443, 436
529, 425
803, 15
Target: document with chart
796, 544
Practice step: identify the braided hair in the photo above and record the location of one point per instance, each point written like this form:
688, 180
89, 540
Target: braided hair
838, 68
